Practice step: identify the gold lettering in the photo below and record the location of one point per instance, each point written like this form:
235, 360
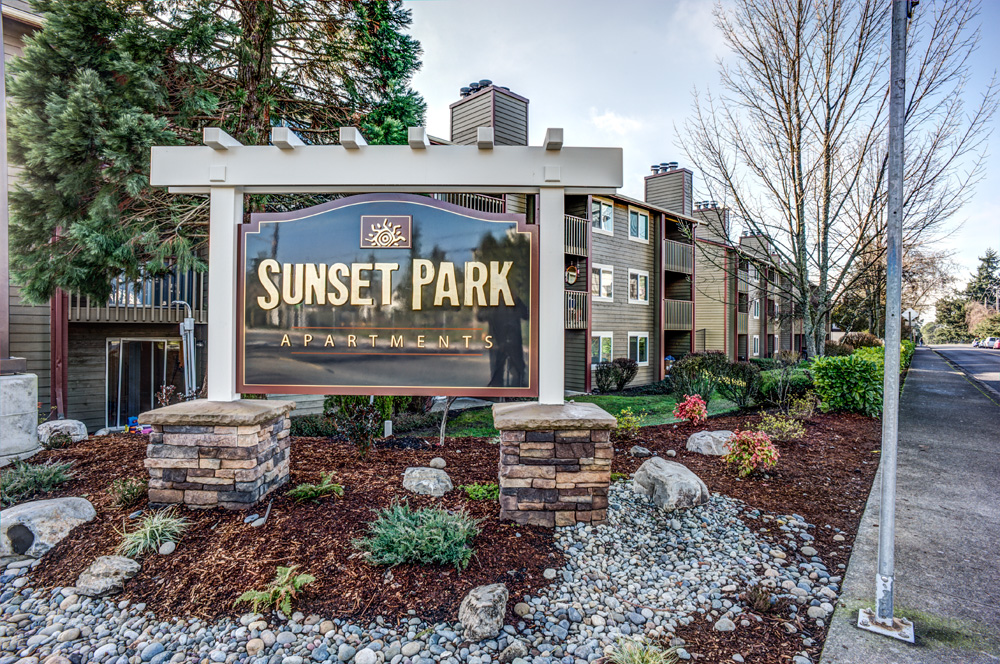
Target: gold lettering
466, 337
423, 274
264, 270
489, 341
420, 341
395, 342
475, 281
446, 286
292, 283
386, 270
285, 341
443, 341
373, 337
357, 283
498, 283
315, 288
352, 341
336, 271
306, 338
329, 341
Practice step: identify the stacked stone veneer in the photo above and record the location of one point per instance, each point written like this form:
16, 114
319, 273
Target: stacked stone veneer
555, 463
206, 454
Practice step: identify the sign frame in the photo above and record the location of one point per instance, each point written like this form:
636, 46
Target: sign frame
254, 227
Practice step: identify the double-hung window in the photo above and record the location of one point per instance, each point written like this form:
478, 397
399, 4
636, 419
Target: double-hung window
638, 225
601, 347
602, 216
638, 347
756, 308
756, 344
602, 282
638, 287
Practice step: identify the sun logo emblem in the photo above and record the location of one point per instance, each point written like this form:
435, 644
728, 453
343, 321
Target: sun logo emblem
385, 234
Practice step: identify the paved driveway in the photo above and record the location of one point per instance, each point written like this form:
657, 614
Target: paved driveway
982, 363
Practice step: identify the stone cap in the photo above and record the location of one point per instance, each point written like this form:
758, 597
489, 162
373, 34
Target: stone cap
202, 412
533, 416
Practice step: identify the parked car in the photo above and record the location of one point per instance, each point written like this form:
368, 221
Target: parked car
988, 342
996, 345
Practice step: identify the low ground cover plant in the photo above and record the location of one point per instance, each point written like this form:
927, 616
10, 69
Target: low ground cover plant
128, 492
850, 384
481, 491
619, 477
58, 441
313, 492
629, 423
781, 427
628, 651
750, 452
428, 536
155, 529
23, 481
692, 408
280, 593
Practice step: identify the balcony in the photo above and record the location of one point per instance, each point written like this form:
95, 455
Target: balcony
480, 202
741, 322
678, 257
575, 311
742, 282
145, 301
678, 315
576, 233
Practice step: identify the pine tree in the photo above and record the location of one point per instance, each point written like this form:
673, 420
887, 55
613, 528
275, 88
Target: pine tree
986, 281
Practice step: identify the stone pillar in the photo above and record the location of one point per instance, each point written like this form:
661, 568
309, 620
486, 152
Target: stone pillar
555, 462
18, 417
227, 454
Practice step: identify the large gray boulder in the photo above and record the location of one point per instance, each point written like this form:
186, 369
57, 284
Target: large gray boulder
712, 443
481, 612
31, 529
670, 485
427, 481
106, 576
75, 429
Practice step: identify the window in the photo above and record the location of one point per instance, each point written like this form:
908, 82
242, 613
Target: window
756, 344
638, 287
638, 225
602, 278
756, 308
601, 347
753, 274
638, 347
602, 216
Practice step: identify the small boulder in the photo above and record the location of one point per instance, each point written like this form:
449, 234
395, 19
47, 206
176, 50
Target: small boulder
481, 612
712, 443
427, 481
31, 529
670, 485
516, 649
438, 462
106, 576
724, 625
75, 429
640, 452
671, 453
167, 548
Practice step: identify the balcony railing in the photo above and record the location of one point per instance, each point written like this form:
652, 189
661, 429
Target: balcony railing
741, 322
678, 256
577, 230
146, 301
480, 202
743, 282
678, 315
576, 310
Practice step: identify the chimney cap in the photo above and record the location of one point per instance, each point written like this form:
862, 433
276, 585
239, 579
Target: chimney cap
485, 83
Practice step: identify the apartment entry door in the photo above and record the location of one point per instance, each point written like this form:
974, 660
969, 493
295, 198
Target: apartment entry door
138, 368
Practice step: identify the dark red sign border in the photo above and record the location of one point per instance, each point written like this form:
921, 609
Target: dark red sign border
409, 390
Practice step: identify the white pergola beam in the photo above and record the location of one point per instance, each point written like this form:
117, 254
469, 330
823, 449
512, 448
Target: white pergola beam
284, 138
351, 138
417, 138
484, 138
217, 139
553, 139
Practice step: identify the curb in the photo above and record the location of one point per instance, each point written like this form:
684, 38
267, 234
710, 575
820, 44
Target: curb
990, 393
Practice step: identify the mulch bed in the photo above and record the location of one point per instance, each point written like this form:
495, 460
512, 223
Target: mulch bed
824, 478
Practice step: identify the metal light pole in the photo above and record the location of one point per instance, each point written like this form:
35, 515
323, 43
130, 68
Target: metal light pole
881, 620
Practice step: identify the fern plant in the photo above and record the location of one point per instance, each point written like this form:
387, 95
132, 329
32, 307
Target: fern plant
280, 593
314, 492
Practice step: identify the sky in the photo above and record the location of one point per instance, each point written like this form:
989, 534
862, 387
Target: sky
621, 74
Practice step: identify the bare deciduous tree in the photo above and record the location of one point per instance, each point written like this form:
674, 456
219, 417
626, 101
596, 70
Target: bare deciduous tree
795, 145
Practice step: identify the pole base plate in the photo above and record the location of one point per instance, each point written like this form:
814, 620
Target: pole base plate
901, 628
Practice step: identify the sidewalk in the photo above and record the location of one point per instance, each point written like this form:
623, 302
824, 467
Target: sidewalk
947, 530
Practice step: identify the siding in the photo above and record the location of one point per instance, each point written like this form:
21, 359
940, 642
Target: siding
510, 119
714, 224
620, 317
672, 190
507, 114
305, 404
468, 115
715, 310
577, 360
676, 344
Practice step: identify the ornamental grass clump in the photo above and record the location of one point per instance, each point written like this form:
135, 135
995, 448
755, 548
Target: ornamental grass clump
23, 481
692, 409
427, 536
627, 651
154, 530
279, 595
751, 451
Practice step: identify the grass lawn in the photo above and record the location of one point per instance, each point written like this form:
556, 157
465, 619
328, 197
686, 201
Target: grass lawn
658, 407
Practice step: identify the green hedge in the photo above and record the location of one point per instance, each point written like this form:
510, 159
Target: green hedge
852, 384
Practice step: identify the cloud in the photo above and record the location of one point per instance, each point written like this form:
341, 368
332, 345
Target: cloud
611, 122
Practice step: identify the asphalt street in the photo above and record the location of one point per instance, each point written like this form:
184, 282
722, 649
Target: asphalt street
983, 364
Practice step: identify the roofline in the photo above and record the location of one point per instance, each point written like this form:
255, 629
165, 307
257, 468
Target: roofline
650, 206
483, 91
22, 16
